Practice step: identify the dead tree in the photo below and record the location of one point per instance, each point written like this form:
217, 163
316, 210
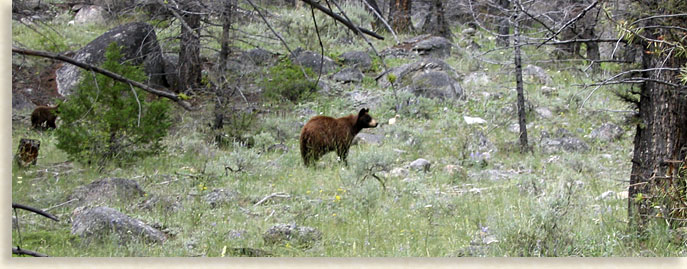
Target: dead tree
399, 15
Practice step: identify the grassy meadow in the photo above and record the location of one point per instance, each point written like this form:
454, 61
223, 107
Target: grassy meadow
506, 204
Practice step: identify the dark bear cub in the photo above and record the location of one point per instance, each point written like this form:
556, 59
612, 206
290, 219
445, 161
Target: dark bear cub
44, 114
323, 134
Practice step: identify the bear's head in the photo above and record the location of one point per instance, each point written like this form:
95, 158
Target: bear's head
365, 120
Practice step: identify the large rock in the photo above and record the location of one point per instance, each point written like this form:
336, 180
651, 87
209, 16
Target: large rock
170, 63
537, 74
98, 222
359, 59
432, 78
312, 60
258, 56
607, 132
139, 46
219, 197
420, 165
563, 141
349, 74
435, 46
363, 98
91, 14
368, 138
107, 191
299, 235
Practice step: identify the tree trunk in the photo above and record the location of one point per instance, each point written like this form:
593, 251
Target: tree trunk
226, 34
519, 87
661, 135
189, 51
504, 25
399, 15
435, 22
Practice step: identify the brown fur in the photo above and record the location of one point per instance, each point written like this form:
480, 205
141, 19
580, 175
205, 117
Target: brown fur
323, 134
44, 114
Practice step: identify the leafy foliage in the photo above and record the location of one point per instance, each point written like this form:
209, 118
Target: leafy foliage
286, 81
109, 120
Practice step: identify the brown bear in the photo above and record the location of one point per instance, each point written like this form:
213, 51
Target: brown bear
323, 134
44, 114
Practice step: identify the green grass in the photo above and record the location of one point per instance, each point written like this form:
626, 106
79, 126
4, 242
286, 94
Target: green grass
545, 206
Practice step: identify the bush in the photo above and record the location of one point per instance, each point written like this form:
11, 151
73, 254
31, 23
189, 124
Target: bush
106, 120
286, 81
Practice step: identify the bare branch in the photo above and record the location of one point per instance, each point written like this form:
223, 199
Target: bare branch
138, 124
117, 77
276, 194
35, 210
584, 11
181, 19
19, 251
346, 22
381, 18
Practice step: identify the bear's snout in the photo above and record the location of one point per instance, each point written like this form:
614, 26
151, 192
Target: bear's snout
373, 123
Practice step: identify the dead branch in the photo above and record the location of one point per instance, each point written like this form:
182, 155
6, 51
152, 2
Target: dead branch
181, 19
346, 22
35, 210
276, 194
381, 18
61, 204
117, 77
584, 11
19, 251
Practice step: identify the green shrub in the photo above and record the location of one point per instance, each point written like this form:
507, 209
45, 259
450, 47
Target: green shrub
286, 82
109, 120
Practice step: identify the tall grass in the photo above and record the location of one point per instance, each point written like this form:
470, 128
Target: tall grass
537, 204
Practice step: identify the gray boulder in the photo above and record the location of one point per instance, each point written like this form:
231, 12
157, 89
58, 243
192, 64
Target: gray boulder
564, 141
166, 203
170, 65
435, 46
368, 138
258, 56
607, 132
349, 74
361, 98
420, 165
139, 46
537, 74
98, 222
107, 191
219, 197
312, 60
544, 112
301, 236
359, 59
436, 84
91, 14
432, 78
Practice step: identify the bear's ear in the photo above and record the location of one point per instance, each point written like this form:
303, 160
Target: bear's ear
363, 111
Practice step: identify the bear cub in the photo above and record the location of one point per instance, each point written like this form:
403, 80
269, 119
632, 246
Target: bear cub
322, 134
44, 114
